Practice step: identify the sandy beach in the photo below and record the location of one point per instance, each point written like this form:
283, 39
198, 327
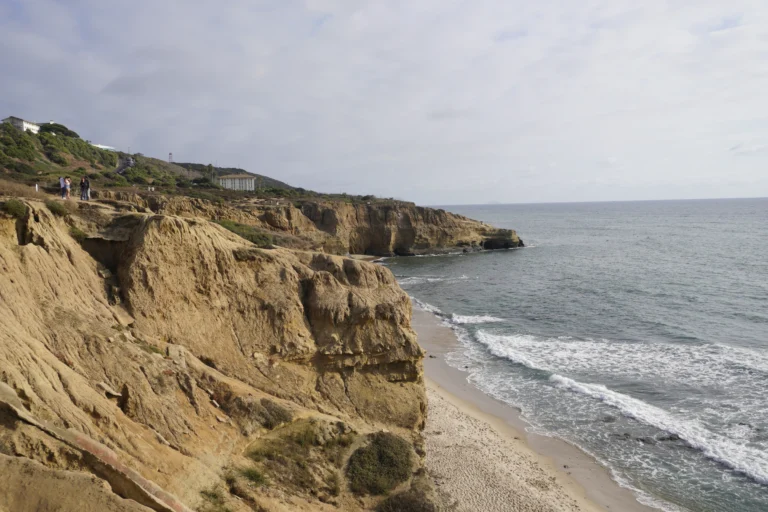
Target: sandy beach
481, 457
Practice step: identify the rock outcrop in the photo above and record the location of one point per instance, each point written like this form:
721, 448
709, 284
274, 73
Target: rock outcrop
379, 228
142, 356
403, 229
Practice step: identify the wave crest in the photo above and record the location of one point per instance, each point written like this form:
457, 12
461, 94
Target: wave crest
744, 459
469, 319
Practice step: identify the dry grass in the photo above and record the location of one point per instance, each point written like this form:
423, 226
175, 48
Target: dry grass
289, 459
60, 208
408, 501
215, 501
254, 476
13, 189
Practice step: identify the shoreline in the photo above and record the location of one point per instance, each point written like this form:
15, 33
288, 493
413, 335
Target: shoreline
475, 443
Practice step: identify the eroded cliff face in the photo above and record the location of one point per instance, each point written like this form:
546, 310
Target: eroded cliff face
402, 228
142, 356
376, 228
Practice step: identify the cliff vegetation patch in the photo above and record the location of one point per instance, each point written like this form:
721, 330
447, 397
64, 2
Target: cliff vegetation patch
15, 208
250, 233
381, 465
305, 456
408, 501
58, 208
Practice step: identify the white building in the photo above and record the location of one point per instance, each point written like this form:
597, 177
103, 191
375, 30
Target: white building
22, 125
102, 146
238, 182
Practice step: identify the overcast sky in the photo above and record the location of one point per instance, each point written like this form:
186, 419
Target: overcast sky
435, 101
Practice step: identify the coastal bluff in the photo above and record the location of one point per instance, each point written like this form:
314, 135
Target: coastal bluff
376, 228
151, 359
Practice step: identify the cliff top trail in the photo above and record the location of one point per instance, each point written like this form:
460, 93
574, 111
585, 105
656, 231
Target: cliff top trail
166, 353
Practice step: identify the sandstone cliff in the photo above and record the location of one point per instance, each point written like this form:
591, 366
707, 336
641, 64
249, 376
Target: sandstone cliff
159, 362
379, 228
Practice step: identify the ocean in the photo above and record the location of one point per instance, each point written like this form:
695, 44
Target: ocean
637, 331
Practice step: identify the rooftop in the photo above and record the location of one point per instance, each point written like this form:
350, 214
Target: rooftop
20, 119
237, 176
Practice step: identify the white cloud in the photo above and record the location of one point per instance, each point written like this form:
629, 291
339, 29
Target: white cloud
439, 101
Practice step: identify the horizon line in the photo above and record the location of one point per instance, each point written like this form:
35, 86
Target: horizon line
603, 201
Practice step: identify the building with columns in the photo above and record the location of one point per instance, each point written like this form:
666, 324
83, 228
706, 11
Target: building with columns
22, 125
238, 182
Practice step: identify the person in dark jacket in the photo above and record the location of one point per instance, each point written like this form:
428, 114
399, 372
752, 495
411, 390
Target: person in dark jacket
85, 188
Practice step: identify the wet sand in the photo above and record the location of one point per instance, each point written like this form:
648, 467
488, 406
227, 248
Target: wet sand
481, 457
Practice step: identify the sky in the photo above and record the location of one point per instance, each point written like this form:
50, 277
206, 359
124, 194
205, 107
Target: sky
433, 101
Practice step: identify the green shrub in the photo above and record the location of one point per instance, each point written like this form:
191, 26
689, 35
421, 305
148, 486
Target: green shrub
115, 180
57, 208
80, 149
408, 501
199, 194
57, 158
17, 144
381, 465
78, 234
254, 476
250, 233
58, 129
15, 208
22, 167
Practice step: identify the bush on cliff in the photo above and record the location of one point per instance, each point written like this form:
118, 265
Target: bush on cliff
81, 150
59, 209
15, 208
78, 234
250, 233
17, 144
58, 129
381, 465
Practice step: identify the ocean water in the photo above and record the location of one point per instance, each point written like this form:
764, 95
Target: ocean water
637, 331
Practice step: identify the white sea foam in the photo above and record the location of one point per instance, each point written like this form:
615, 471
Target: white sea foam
405, 282
416, 280
747, 460
469, 319
454, 253
737, 377
429, 308
731, 452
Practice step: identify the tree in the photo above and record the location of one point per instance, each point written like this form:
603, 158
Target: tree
210, 173
58, 129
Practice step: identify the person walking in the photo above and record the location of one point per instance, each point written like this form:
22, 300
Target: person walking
67, 187
83, 193
87, 189
63, 187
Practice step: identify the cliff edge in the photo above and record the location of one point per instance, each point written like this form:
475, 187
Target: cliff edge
378, 228
160, 362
